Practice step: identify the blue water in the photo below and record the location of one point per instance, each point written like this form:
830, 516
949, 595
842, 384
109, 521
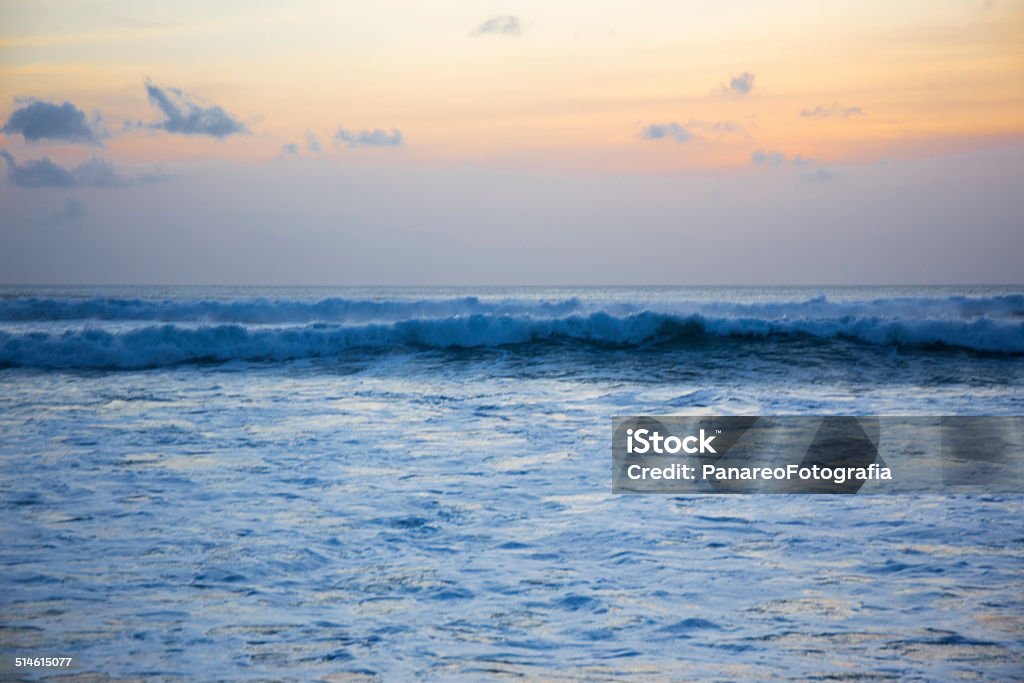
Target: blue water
394, 484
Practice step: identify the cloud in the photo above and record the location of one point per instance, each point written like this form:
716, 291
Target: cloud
684, 132
775, 158
312, 143
370, 138
820, 175
185, 116
502, 26
764, 157
666, 131
834, 109
93, 172
289, 149
96, 172
72, 211
742, 84
39, 120
37, 173
718, 128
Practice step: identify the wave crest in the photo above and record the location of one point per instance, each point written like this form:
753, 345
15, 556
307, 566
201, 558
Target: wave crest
171, 344
268, 311
335, 309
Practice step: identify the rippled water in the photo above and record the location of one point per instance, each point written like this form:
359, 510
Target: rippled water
444, 511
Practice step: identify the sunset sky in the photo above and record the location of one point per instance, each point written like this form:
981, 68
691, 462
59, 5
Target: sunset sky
513, 142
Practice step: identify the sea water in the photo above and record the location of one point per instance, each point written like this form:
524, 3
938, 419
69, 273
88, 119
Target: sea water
230, 483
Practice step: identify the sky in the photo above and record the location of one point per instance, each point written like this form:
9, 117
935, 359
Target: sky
516, 142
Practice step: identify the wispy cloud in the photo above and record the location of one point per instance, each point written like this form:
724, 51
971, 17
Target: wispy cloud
763, 157
666, 131
370, 138
503, 26
72, 211
692, 129
776, 158
313, 143
833, 110
93, 172
185, 115
39, 120
289, 149
716, 128
819, 175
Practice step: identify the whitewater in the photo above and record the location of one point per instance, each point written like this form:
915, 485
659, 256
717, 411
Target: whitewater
387, 483
107, 332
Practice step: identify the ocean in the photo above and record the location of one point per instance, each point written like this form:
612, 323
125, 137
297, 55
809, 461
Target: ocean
285, 483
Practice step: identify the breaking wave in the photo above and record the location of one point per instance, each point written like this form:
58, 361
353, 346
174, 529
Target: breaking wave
276, 311
155, 345
267, 311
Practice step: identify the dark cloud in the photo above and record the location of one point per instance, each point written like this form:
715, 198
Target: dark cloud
666, 131
93, 172
503, 26
39, 120
775, 158
185, 116
834, 109
289, 149
312, 143
370, 138
742, 84
37, 172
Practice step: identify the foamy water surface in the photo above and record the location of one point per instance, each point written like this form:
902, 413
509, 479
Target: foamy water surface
395, 484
